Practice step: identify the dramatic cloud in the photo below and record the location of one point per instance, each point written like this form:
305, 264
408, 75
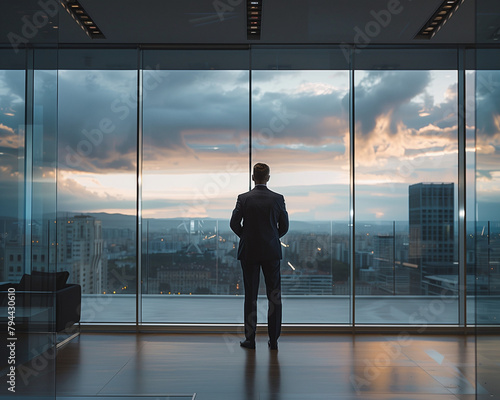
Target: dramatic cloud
401, 126
196, 124
197, 121
97, 120
487, 155
382, 93
6, 134
303, 109
488, 102
11, 143
73, 196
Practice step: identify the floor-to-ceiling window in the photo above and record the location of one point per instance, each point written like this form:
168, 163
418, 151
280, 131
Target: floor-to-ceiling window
470, 192
487, 184
12, 172
488, 221
194, 164
406, 185
12, 202
96, 180
28, 142
168, 147
300, 127
44, 171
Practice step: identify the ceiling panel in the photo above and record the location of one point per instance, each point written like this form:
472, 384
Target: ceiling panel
361, 22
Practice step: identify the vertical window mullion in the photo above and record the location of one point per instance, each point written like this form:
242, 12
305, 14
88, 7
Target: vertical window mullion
28, 158
352, 213
138, 234
462, 165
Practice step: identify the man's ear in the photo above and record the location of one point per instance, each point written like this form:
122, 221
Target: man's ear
253, 179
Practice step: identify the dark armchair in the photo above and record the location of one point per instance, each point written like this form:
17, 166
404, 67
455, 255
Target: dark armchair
43, 305
57, 302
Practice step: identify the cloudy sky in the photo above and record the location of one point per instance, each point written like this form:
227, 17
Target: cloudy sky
196, 142
11, 142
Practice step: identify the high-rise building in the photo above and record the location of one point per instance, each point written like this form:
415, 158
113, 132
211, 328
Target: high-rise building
42, 249
383, 262
80, 251
432, 230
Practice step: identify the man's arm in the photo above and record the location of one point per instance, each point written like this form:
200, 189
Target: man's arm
236, 218
283, 219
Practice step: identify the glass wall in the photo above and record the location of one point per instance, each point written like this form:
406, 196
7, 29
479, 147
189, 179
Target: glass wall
12, 201
44, 172
406, 182
157, 155
96, 184
12, 146
488, 221
28, 142
487, 184
470, 194
195, 162
300, 127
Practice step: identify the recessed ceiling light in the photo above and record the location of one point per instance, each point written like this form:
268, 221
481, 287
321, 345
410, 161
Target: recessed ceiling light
82, 18
438, 19
254, 19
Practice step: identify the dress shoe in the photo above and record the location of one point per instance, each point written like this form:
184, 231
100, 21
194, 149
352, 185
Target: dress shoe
247, 344
273, 345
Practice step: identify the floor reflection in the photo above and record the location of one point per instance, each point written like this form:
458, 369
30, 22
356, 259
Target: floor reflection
274, 376
313, 367
249, 375
262, 376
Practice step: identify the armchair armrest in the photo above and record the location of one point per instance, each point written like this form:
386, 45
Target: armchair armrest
68, 306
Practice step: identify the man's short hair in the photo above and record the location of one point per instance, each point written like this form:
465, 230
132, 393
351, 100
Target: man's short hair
261, 171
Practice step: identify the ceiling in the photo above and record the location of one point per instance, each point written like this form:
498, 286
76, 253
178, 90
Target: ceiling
224, 22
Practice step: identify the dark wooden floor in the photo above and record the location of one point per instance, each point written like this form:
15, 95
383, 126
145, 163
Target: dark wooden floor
306, 367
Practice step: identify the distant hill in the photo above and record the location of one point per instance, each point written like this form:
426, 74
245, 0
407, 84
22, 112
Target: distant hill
123, 221
114, 221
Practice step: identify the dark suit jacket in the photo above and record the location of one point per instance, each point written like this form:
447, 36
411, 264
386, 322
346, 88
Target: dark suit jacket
265, 220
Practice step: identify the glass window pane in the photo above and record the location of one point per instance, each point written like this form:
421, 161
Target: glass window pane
96, 189
487, 192
487, 96
195, 162
406, 197
300, 127
470, 158
12, 141
43, 208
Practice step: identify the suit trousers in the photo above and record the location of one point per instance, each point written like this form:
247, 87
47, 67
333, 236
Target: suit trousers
272, 277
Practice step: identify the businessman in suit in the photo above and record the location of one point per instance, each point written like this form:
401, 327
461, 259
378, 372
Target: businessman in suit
260, 219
